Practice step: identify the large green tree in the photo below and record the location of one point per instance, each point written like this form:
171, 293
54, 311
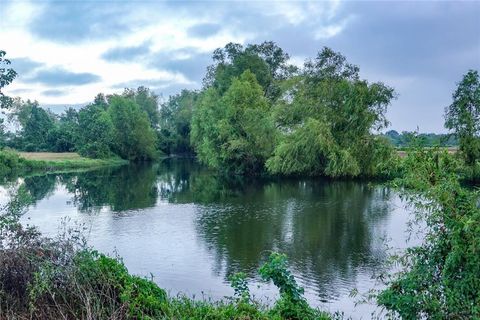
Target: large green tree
327, 116
234, 132
134, 138
463, 116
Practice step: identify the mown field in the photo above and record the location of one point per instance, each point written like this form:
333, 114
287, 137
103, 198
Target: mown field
51, 156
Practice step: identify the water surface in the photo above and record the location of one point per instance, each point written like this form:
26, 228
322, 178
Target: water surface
190, 229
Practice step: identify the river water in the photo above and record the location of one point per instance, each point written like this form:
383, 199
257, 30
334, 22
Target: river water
191, 229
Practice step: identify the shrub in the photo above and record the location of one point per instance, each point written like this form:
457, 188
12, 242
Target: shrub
440, 278
292, 304
9, 162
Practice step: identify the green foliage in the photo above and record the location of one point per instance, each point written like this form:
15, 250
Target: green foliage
7, 75
292, 304
115, 125
147, 101
276, 269
64, 136
267, 61
10, 162
311, 150
238, 281
175, 122
37, 127
95, 132
326, 117
438, 279
141, 297
234, 132
405, 138
463, 116
133, 137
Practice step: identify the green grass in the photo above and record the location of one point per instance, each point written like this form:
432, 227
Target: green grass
13, 163
53, 165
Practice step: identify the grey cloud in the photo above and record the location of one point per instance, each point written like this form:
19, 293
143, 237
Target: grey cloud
59, 76
405, 38
25, 66
150, 83
203, 30
19, 91
188, 62
172, 89
60, 108
54, 92
125, 54
70, 21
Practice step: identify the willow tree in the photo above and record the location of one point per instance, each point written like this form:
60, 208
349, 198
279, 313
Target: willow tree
327, 117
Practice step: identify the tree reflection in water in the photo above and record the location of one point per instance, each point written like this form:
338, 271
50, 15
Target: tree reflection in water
328, 229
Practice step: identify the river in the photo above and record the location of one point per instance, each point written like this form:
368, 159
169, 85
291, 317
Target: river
190, 229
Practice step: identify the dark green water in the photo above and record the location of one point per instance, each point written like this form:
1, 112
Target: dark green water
191, 229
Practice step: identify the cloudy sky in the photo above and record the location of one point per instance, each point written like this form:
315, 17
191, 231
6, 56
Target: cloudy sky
67, 51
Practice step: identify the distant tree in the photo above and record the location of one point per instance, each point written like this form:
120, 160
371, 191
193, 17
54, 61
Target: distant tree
133, 136
64, 137
234, 132
148, 102
175, 120
7, 75
95, 131
463, 116
36, 128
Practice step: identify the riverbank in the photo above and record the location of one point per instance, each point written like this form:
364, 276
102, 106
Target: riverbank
21, 163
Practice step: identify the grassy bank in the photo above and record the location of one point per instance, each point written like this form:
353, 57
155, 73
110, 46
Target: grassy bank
19, 163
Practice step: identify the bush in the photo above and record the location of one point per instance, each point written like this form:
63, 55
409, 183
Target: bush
9, 162
292, 304
440, 278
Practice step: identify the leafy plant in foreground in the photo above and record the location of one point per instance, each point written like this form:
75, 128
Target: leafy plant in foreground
292, 304
440, 278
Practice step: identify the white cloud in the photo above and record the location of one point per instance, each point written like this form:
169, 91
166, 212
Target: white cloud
164, 27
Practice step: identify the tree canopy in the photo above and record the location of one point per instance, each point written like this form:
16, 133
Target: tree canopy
463, 116
327, 117
234, 132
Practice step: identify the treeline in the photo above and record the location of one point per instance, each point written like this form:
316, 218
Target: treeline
406, 138
256, 114
115, 125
